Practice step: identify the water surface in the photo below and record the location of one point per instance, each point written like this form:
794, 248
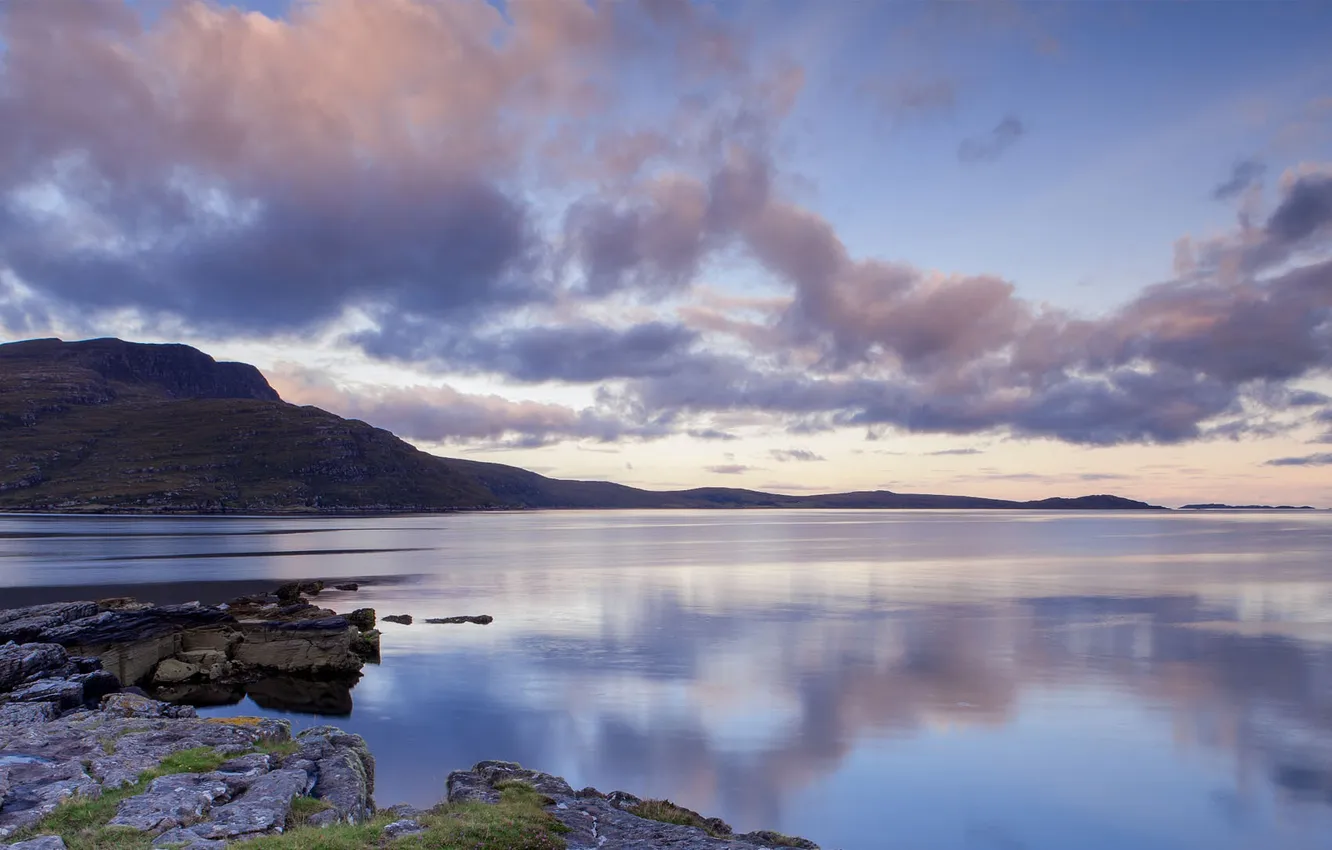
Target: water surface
868, 679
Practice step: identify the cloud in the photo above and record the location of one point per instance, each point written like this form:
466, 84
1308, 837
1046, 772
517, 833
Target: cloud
729, 469
994, 144
1306, 209
956, 452
1323, 459
803, 455
579, 352
487, 194
1243, 174
443, 414
711, 434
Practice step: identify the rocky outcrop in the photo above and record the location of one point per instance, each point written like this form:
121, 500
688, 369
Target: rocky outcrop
250, 794
483, 620
177, 645
605, 821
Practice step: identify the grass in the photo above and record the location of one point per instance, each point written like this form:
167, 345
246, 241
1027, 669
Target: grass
81, 821
667, 812
304, 808
518, 822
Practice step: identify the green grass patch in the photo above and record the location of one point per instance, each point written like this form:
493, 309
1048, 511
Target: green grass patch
304, 808
81, 821
667, 812
518, 822
279, 749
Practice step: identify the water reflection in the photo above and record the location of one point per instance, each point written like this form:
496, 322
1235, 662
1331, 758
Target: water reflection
941, 680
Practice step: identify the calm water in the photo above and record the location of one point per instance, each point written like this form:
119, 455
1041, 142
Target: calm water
937, 680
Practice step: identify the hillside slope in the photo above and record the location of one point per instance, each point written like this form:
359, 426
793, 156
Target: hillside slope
128, 426
106, 425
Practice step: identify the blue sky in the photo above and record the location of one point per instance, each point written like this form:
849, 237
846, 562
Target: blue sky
539, 237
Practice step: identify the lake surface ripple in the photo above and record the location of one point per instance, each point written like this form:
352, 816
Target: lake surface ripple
940, 680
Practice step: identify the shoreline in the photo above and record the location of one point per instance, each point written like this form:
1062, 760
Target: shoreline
90, 761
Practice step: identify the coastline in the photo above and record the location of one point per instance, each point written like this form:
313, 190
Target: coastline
89, 760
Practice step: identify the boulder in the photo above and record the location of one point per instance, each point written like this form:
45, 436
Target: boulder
347, 586
41, 842
401, 619
173, 671
262, 808
399, 828
345, 770
483, 620
311, 588
362, 618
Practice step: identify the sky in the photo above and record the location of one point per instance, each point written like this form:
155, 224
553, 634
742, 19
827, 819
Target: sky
978, 247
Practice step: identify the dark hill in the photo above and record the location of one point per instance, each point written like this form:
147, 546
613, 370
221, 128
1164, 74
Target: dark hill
106, 425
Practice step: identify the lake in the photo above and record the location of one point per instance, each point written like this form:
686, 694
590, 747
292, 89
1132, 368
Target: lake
940, 679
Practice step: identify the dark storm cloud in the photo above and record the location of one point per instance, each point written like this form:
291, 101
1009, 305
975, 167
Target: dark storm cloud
1306, 208
994, 144
1243, 174
1324, 459
802, 455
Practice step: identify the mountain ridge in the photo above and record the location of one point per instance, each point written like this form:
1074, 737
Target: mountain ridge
112, 426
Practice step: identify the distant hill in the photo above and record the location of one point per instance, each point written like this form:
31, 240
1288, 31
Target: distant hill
107, 425
1212, 506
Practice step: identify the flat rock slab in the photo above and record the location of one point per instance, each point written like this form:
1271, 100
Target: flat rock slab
171, 801
263, 807
41, 842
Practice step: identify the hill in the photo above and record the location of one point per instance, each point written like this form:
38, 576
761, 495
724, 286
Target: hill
107, 425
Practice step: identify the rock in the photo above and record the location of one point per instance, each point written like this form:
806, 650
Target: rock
345, 770
96, 685
202, 658
350, 586
35, 787
61, 693
311, 588
403, 619
132, 705
767, 838
28, 625
366, 645
399, 828
184, 839
597, 821
262, 808
288, 594
27, 662
483, 620
173, 672
362, 618
41, 842
171, 801
402, 811
24, 714
122, 603
307, 647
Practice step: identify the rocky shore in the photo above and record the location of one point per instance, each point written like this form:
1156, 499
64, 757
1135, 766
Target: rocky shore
89, 761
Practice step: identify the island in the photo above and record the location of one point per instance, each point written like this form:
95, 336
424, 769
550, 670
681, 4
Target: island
1217, 507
